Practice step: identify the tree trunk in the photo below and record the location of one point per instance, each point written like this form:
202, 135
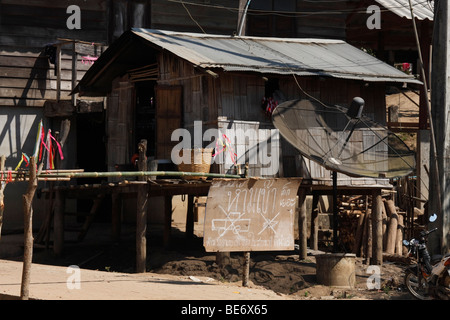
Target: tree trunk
28, 230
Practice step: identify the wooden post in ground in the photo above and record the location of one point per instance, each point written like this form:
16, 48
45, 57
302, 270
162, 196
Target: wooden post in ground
335, 213
28, 230
302, 224
2, 190
313, 238
190, 218
377, 228
141, 217
246, 271
359, 234
439, 242
368, 237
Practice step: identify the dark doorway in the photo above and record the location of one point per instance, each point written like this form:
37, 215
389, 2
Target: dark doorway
91, 156
146, 115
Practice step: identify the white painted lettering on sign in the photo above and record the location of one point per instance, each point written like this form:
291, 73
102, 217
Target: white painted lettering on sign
251, 214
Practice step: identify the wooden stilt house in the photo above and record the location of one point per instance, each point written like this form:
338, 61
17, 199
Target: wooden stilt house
159, 81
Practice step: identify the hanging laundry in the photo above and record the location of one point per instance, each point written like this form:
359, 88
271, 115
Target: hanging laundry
268, 105
88, 59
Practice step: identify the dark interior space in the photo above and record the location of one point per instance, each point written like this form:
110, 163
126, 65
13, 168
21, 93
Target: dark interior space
91, 151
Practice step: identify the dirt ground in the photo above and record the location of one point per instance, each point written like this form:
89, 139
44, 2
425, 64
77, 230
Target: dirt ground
281, 273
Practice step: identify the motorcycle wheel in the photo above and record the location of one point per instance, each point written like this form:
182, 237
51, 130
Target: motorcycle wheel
417, 287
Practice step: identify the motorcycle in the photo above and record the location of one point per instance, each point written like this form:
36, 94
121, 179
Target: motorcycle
430, 277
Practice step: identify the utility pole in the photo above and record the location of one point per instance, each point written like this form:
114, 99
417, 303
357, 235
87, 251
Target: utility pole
243, 7
439, 200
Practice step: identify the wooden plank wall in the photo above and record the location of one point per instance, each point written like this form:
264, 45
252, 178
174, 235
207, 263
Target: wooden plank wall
26, 27
119, 123
319, 19
212, 16
199, 90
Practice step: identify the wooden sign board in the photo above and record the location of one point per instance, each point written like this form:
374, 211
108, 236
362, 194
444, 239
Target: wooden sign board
250, 215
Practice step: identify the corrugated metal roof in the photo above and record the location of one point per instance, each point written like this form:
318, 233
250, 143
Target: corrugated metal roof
334, 58
422, 9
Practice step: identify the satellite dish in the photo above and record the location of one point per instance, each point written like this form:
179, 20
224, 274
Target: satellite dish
343, 139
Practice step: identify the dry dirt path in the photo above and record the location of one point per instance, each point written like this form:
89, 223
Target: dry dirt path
58, 283
51, 283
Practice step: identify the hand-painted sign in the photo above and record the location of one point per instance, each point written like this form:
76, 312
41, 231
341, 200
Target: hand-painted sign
250, 215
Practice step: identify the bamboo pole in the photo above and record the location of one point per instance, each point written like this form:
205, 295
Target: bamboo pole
147, 173
74, 174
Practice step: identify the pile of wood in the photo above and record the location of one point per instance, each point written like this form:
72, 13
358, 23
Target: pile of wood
356, 226
350, 208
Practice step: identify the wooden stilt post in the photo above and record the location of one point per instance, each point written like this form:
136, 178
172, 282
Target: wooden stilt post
141, 218
167, 220
190, 218
335, 213
377, 228
302, 224
28, 231
313, 238
2, 190
246, 271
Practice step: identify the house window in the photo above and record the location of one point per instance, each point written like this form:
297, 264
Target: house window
271, 18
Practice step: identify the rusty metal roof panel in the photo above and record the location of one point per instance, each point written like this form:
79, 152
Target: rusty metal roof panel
422, 9
334, 58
